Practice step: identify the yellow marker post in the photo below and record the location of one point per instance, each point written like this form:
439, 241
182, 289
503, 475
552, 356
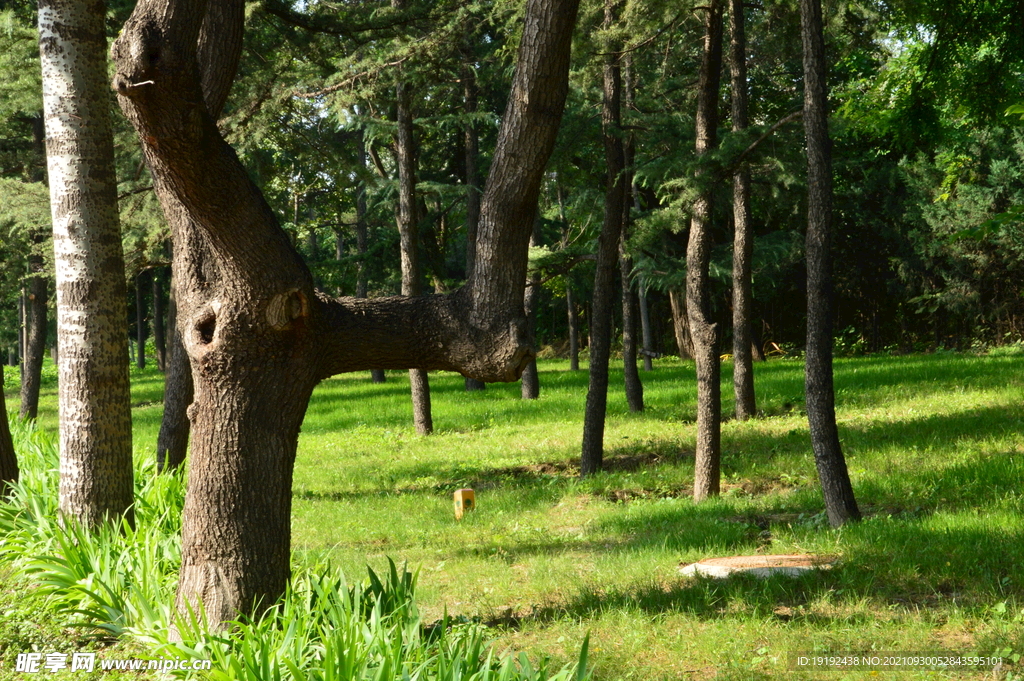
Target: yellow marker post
465, 500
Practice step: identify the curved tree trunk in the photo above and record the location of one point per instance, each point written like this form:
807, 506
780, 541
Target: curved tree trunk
607, 260
94, 402
8, 458
259, 337
35, 345
743, 239
703, 330
821, 413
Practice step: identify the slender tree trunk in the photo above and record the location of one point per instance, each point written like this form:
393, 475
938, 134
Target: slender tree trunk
22, 330
634, 387
574, 329
645, 329
35, 346
472, 151
405, 152
821, 414
140, 320
172, 441
703, 330
681, 324
607, 258
530, 382
363, 242
159, 338
94, 402
8, 458
743, 239
263, 338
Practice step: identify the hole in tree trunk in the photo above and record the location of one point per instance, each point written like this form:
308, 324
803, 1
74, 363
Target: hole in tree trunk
206, 327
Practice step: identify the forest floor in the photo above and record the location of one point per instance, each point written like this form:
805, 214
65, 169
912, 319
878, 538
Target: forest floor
935, 447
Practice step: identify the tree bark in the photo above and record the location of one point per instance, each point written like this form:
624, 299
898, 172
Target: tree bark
172, 441
530, 381
140, 320
681, 324
408, 228
94, 402
645, 330
159, 337
607, 257
472, 151
574, 329
840, 504
259, 337
634, 387
35, 345
703, 330
743, 238
8, 458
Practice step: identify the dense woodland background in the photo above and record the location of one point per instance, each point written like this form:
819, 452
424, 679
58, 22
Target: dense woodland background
928, 245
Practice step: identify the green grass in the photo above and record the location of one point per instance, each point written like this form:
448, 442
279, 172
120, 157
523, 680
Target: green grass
935, 446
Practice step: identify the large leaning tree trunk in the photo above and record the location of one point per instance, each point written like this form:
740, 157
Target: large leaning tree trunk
408, 229
840, 504
94, 402
607, 257
8, 458
35, 343
743, 238
703, 330
259, 336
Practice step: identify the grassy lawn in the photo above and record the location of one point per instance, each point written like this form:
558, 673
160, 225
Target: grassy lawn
935, 446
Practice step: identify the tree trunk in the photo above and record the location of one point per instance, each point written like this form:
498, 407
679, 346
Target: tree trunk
159, 339
743, 239
8, 458
172, 441
634, 388
472, 151
35, 346
94, 402
607, 257
703, 330
408, 228
530, 382
140, 320
574, 329
261, 338
362, 243
681, 324
645, 329
821, 414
